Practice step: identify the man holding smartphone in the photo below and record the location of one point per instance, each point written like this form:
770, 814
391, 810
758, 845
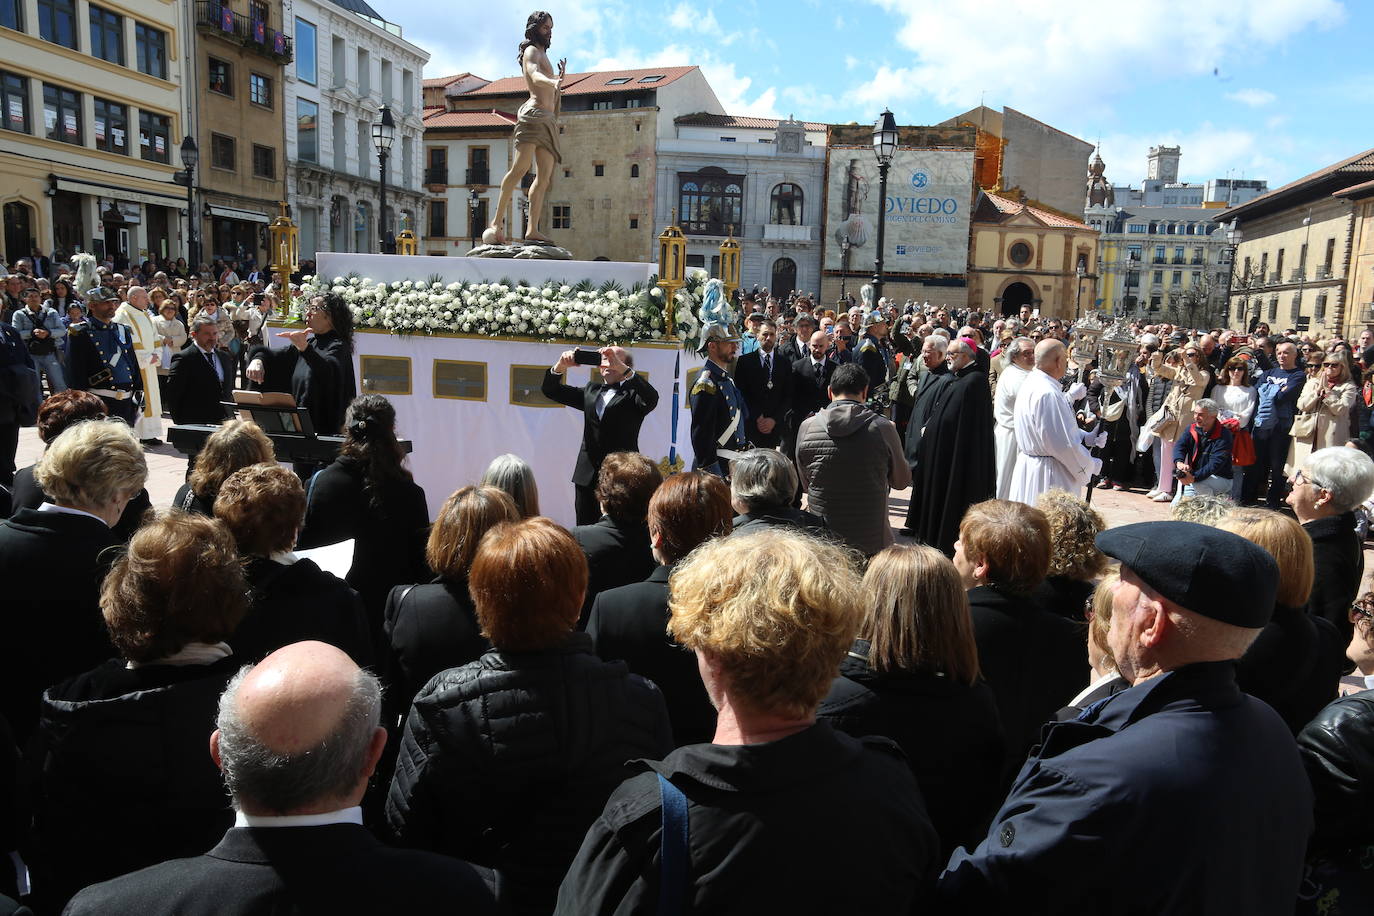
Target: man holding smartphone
613, 409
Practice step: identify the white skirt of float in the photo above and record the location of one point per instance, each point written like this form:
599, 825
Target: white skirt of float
456, 433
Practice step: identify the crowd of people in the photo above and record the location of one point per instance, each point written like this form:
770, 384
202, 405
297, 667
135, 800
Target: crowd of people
720, 676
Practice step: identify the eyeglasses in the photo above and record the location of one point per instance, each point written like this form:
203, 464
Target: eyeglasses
1300, 477
1361, 614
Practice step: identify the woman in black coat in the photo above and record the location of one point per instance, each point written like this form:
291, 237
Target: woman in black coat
236, 444
912, 676
1327, 489
1295, 663
124, 777
317, 372
368, 495
290, 599
433, 627
507, 760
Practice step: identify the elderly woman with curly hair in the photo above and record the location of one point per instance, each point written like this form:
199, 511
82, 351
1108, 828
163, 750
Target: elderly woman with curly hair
769, 616
1075, 562
236, 444
126, 780
54, 416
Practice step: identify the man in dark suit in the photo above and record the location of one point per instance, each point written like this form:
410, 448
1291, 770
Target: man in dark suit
201, 376
811, 382
613, 410
298, 738
764, 378
797, 347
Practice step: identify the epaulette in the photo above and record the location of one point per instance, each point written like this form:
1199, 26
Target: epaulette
704, 385
868, 345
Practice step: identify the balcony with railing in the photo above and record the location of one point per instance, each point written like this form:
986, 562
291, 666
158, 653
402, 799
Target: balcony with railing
1275, 277
1159, 259
436, 176
478, 176
215, 18
1178, 261
1297, 275
1323, 273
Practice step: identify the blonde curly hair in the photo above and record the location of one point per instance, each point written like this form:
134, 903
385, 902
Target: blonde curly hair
777, 609
1074, 527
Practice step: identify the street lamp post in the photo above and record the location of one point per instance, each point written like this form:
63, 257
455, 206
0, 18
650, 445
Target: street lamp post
190, 157
383, 133
1078, 300
473, 202
844, 267
1233, 235
884, 147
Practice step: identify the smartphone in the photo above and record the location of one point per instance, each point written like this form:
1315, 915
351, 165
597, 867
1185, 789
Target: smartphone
584, 357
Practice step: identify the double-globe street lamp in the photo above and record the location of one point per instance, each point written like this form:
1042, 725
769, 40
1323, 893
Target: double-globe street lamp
383, 133
190, 157
884, 147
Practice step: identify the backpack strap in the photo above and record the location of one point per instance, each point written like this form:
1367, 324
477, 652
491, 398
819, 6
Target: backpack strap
672, 883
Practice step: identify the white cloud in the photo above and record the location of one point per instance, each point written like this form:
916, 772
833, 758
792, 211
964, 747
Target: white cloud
1060, 61
1255, 98
688, 18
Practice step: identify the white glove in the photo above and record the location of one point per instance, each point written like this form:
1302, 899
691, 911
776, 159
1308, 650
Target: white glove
1101, 439
1095, 469
1077, 392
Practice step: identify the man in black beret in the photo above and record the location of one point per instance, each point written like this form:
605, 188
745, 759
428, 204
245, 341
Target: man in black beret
1178, 795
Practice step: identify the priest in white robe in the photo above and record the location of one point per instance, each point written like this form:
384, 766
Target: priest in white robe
1020, 357
1053, 450
133, 313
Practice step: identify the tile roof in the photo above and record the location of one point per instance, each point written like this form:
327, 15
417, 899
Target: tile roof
1360, 163
706, 119
437, 117
589, 83
1009, 206
438, 82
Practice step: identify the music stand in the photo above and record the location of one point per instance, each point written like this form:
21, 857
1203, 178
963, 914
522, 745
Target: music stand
275, 413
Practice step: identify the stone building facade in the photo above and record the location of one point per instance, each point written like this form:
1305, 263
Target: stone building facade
761, 180
1301, 247
91, 114
349, 63
1024, 255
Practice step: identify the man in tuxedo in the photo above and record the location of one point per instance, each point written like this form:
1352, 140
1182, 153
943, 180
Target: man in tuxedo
765, 380
613, 410
201, 376
297, 740
811, 380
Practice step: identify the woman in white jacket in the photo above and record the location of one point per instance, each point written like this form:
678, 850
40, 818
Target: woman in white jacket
1238, 399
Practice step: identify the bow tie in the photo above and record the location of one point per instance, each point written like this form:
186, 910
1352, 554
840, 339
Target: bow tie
615, 386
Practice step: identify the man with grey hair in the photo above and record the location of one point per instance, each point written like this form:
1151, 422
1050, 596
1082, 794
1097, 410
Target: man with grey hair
1020, 360
1053, 450
762, 484
933, 377
133, 314
1202, 455
298, 738
201, 376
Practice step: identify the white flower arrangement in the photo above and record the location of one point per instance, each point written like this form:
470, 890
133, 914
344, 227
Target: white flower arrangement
608, 314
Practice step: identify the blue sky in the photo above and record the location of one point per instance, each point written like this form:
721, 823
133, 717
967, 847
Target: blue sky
1267, 89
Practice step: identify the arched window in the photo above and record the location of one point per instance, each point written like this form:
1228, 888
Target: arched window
634, 171
785, 207
710, 201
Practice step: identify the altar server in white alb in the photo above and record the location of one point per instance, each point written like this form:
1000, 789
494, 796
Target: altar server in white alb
1054, 451
1020, 358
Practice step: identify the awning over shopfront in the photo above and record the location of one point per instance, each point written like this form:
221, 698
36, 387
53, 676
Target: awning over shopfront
249, 216
114, 192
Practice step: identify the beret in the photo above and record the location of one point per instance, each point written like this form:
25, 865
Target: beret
1205, 570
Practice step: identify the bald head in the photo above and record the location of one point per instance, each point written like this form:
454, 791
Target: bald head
137, 297
1050, 357
298, 733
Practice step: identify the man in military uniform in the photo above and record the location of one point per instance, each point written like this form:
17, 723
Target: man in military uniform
102, 360
875, 356
718, 411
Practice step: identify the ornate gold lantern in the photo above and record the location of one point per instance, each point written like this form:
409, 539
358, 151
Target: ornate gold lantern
406, 242
729, 265
285, 241
672, 269
1083, 338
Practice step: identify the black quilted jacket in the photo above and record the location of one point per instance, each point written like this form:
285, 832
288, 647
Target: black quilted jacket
506, 761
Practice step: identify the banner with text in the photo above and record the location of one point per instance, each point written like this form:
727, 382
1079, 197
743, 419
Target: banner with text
929, 195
